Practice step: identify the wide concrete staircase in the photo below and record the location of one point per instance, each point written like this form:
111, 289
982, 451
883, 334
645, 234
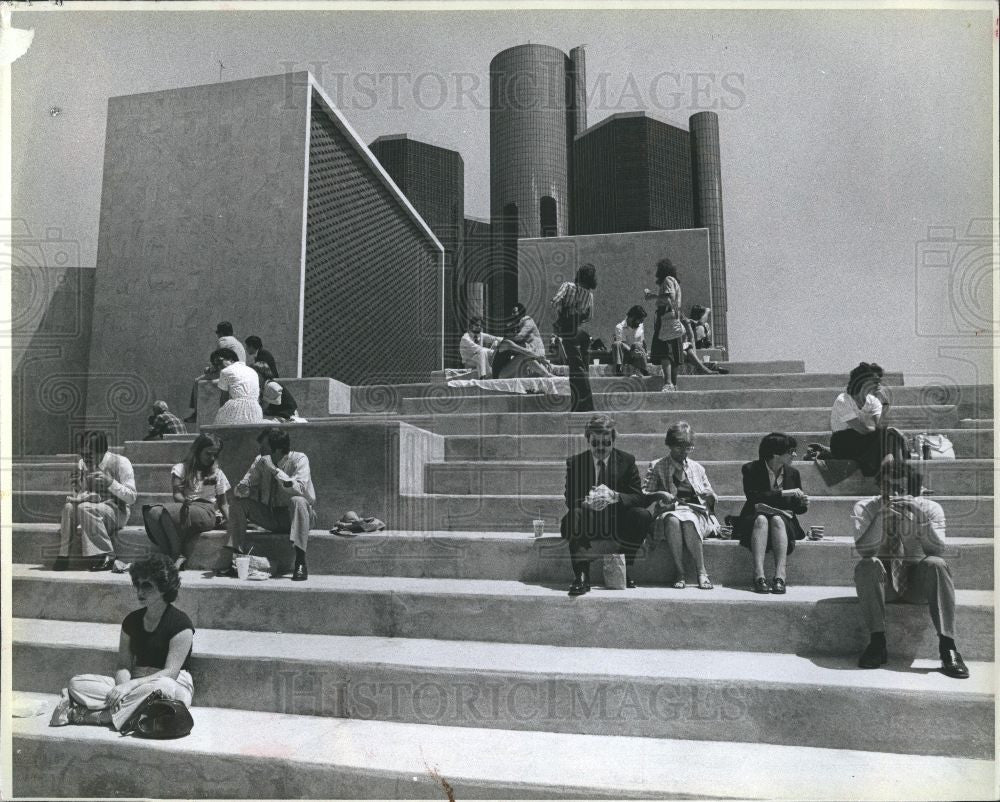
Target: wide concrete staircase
443, 658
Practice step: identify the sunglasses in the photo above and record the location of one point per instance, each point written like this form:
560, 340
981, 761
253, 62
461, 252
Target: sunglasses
145, 585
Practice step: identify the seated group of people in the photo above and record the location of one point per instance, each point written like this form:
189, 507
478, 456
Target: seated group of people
899, 534
276, 493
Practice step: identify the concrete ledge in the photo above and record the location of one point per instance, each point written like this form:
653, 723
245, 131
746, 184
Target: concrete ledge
773, 381
238, 754
316, 397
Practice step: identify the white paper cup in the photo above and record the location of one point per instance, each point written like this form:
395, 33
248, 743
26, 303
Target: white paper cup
539, 525
242, 566
725, 532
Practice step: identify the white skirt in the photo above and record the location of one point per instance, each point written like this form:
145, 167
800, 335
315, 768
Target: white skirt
704, 524
240, 410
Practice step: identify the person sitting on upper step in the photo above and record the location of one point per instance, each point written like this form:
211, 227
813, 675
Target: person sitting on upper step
773, 482
103, 492
224, 331
628, 345
162, 422
277, 493
256, 352
685, 511
476, 348
900, 536
605, 500
154, 655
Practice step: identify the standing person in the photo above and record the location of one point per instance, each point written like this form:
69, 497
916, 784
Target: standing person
772, 481
476, 348
256, 352
199, 489
277, 493
154, 655
667, 329
900, 536
574, 304
628, 346
162, 422
856, 423
240, 387
688, 500
604, 497
224, 332
103, 492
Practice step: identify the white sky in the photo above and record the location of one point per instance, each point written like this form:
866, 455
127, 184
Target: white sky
845, 135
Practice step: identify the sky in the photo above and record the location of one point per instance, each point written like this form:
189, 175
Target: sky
857, 162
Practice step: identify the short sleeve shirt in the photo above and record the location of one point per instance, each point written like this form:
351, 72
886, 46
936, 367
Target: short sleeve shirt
150, 648
203, 487
845, 409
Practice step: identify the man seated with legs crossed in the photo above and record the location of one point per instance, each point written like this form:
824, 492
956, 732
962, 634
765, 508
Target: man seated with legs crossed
604, 496
900, 537
276, 493
99, 505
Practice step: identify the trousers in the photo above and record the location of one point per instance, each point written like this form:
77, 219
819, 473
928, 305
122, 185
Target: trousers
91, 691
97, 522
577, 349
622, 354
173, 527
928, 582
296, 519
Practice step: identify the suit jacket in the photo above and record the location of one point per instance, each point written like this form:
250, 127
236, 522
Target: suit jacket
622, 476
758, 490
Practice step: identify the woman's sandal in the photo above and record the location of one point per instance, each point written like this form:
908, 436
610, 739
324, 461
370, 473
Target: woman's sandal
680, 584
704, 582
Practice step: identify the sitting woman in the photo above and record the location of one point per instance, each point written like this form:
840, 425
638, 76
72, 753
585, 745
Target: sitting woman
278, 403
199, 488
691, 353
522, 354
856, 423
240, 386
685, 511
154, 654
768, 522
701, 317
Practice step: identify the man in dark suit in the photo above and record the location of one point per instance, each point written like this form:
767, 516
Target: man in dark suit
605, 500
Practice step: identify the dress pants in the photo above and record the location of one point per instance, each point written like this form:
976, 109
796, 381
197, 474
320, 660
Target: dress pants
615, 529
296, 519
928, 582
97, 521
577, 347
91, 691
173, 527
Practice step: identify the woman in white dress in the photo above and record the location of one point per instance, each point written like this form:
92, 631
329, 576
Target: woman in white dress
685, 502
240, 386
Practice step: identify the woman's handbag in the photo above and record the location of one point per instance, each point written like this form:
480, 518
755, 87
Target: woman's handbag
159, 718
939, 446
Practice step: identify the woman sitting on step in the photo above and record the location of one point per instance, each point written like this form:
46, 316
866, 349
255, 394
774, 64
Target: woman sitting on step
768, 522
685, 511
154, 653
199, 488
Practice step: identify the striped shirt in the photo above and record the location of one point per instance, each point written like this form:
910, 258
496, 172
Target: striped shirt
574, 300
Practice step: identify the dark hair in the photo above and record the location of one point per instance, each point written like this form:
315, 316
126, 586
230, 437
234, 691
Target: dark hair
520, 310
600, 423
224, 329
665, 268
697, 310
863, 373
775, 444
254, 343
474, 319
586, 277
224, 353
192, 464
263, 370
677, 429
276, 439
93, 441
636, 312
160, 569
899, 472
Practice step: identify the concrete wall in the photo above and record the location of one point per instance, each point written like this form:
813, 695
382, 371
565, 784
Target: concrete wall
626, 264
201, 221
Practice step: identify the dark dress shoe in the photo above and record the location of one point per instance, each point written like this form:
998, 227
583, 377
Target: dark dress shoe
61, 564
874, 656
778, 586
760, 585
580, 585
953, 666
300, 574
227, 571
630, 583
104, 564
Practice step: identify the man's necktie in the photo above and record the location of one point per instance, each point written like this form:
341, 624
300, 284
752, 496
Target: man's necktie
897, 565
602, 474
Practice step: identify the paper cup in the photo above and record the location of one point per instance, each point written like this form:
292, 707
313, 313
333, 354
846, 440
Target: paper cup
242, 566
816, 532
539, 525
725, 532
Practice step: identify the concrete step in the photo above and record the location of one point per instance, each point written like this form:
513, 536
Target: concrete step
759, 368
43, 506
164, 452
454, 416
625, 394
976, 423
507, 555
682, 694
241, 754
839, 478
808, 620
969, 444
772, 381
967, 516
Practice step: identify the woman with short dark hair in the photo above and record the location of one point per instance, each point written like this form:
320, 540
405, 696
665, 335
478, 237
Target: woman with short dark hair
154, 655
668, 331
771, 481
